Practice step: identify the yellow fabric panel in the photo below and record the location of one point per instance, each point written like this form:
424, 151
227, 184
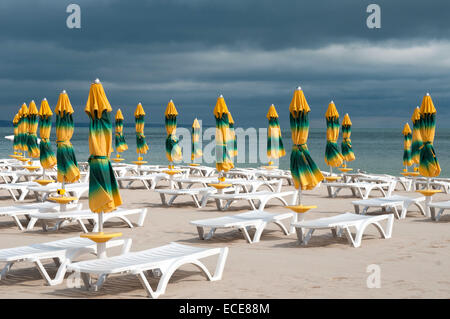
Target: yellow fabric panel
221, 107
139, 110
45, 110
331, 111
346, 120
63, 104
119, 115
97, 101
406, 129
272, 112
171, 109
32, 109
196, 124
230, 118
298, 102
427, 106
416, 114
16, 118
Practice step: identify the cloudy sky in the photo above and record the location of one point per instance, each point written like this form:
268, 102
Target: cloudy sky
254, 52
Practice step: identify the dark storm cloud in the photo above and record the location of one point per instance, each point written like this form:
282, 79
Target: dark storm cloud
253, 52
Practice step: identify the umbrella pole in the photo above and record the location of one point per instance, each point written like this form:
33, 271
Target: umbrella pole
63, 206
331, 170
101, 247
43, 173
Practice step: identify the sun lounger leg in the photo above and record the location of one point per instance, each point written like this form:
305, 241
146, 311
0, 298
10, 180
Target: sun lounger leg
259, 231
42, 271
196, 202
244, 231
283, 228
23, 194
200, 232
142, 216
210, 234
356, 209
17, 221
422, 211
31, 223
6, 269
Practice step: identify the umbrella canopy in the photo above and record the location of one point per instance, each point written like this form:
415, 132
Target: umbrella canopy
275, 147
33, 149
103, 189
68, 171
407, 135
47, 157
23, 127
223, 136
173, 150
139, 115
233, 147
346, 145
304, 171
429, 165
16, 145
416, 137
120, 143
333, 157
196, 149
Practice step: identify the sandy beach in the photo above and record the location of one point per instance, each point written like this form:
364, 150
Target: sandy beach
413, 263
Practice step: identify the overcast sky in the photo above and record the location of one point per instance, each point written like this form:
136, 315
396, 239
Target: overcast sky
254, 52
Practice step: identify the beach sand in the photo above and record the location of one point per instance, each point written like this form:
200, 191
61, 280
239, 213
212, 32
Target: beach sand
414, 263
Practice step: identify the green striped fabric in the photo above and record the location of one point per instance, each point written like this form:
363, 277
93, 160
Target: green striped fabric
47, 156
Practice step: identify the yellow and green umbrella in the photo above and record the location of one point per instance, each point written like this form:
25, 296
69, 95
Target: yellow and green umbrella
304, 171
333, 158
407, 136
67, 165
224, 161
416, 137
32, 145
429, 165
346, 145
141, 145
233, 147
120, 143
173, 150
47, 157
23, 128
104, 194
196, 149
275, 147
16, 146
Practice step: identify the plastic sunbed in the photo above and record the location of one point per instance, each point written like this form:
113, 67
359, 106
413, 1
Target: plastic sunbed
390, 204
441, 206
342, 223
63, 252
164, 259
243, 222
360, 189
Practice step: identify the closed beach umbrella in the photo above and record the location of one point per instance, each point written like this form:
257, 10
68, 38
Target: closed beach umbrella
233, 142
141, 145
223, 137
16, 146
196, 149
407, 135
33, 149
47, 157
416, 137
120, 143
275, 147
173, 150
104, 194
304, 171
346, 145
429, 165
23, 128
68, 171
333, 158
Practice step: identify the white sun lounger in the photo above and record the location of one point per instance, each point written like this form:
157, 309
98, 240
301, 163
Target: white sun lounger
342, 223
63, 252
436, 184
74, 189
360, 189
195, 193
243, 222
390, 204
163, 260
149, 180
80, 216
440, 206
25, 210
22, 188
262, 197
